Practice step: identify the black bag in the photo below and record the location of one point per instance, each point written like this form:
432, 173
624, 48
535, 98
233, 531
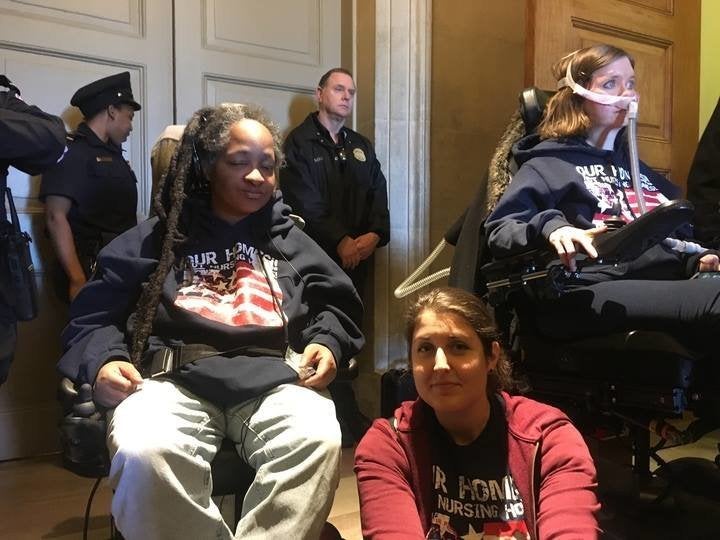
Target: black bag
21, 290
396, 386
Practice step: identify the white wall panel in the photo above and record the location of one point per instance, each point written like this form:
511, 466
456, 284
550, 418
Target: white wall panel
276, 29
119, 16
279, 46
287, 105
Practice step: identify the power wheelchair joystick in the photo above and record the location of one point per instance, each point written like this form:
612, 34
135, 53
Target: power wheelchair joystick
82, 431
629, 241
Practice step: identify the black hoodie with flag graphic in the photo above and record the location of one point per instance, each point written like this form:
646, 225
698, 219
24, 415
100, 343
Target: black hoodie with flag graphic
259, 283
564, 182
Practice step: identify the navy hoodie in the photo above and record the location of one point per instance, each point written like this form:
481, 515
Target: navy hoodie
564, 182
261, 282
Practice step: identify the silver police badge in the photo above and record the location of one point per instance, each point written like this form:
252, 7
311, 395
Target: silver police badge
359, 154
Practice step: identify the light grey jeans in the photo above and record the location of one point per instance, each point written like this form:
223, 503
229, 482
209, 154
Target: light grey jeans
162, 439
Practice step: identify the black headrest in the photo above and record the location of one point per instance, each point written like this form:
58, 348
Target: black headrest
532, 106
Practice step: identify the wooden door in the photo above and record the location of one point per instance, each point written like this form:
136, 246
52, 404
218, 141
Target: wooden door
49, 49
266, 52
664, 38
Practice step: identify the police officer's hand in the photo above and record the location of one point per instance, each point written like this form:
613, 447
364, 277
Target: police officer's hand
565, 239
74, 287
366, 244
322, 359
349, 254
115, 381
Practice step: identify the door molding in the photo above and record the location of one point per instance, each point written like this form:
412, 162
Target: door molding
402, 143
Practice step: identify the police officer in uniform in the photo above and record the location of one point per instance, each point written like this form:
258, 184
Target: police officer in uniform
30, 140
333, 180
91, 197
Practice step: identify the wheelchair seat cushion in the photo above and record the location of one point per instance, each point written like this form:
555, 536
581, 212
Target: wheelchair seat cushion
230, 473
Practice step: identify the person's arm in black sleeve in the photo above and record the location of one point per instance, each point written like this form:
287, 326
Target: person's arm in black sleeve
378, 230
703, 184
379, 216
57, 208
525, 216
30, 139
60, 189
301, 191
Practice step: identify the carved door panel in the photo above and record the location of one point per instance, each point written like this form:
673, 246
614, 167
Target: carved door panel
270, 53
664, 38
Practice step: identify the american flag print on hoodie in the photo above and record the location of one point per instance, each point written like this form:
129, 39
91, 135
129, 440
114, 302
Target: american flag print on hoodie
236, 287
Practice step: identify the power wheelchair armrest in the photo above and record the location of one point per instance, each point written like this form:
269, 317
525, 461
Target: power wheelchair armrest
541, 266
631, 240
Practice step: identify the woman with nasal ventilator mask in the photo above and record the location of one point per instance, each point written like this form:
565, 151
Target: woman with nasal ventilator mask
574, 174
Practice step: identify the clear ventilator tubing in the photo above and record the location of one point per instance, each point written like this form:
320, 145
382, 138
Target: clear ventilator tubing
409, 286
683, 246
634, 161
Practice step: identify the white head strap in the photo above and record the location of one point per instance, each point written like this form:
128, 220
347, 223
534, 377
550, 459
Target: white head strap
622, 102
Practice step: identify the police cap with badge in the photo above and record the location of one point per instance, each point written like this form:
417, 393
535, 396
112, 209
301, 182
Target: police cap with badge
113, 90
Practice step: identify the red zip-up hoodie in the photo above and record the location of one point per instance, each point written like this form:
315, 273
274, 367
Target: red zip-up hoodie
547, 457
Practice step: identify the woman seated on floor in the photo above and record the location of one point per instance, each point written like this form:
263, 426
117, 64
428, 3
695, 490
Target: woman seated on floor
257, 318
466, 458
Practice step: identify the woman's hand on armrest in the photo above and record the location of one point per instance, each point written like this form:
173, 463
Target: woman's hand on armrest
115, 381
564, 241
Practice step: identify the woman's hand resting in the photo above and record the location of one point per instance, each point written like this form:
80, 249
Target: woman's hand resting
322, 360
709, 263
565, 239
115, 381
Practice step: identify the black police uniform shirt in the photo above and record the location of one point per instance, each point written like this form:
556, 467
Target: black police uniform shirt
101, 185
31, 140
338, 189
474, 495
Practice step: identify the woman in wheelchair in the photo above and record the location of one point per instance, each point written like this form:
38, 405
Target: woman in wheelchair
573, 175
466, 458
189, 331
